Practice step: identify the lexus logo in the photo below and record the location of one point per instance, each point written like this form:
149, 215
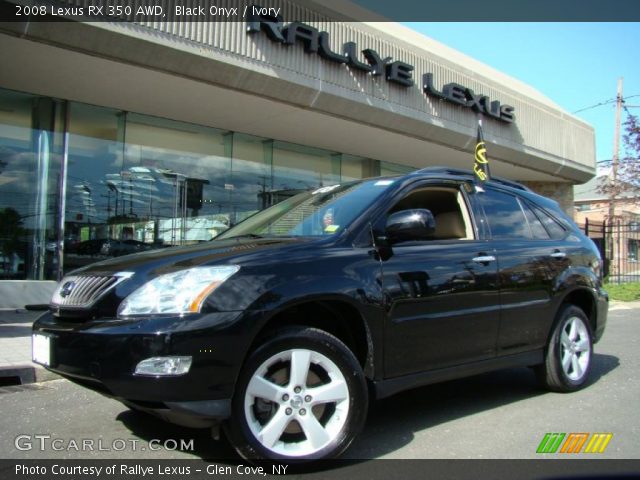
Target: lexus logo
66, 289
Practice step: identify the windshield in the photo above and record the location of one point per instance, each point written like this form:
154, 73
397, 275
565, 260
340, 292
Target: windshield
321, 212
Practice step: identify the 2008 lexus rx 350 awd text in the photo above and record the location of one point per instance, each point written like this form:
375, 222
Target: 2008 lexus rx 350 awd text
285, 327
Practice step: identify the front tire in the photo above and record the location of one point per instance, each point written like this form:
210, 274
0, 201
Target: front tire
569, 352
301, 396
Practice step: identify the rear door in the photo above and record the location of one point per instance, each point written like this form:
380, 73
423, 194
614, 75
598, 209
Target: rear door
530, 257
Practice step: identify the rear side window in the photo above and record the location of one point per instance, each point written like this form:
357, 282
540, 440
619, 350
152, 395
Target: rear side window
556, 231
504, 215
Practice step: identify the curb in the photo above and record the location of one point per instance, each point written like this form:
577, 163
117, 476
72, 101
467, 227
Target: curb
28, 373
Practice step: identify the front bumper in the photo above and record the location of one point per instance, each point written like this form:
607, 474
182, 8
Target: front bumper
102, 355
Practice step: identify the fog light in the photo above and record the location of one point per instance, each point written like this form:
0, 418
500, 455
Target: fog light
164, 366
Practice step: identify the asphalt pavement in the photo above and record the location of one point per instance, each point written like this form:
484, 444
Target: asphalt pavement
498, 415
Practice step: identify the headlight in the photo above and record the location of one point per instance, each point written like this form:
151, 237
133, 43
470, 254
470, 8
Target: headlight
178, 292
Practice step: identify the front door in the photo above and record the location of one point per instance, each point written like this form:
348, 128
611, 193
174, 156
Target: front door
442, 298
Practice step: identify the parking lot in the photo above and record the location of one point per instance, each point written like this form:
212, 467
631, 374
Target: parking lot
498, 415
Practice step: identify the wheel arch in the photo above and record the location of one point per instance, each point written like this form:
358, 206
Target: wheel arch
584, 299
335, 315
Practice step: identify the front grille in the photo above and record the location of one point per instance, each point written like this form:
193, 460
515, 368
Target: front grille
83, 291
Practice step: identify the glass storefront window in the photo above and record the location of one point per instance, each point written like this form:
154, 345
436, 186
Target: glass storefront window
356, 168
389, 169
251, 184
136, 182
297, 168
30, 153
177, 177
92, 200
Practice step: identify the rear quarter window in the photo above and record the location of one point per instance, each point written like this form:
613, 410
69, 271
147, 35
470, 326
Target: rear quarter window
555, 229
538, 231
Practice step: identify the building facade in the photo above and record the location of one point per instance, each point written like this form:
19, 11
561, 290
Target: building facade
117, 137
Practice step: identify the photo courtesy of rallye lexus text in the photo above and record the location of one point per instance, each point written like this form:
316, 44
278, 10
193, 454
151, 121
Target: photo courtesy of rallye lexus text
284, 328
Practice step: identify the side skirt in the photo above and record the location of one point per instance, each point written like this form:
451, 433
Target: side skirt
391, 386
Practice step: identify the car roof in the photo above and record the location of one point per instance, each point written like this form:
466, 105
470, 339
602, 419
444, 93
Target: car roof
462, 174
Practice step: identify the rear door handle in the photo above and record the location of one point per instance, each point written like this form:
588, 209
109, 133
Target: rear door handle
484, 259
558, 254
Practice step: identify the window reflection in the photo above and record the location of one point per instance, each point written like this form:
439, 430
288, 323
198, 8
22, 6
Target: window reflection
182, 173
29, 174
251, 174
297, 168
136, 182
388, 169
142, 183
357, 168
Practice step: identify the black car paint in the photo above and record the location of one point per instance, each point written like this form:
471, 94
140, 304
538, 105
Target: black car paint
421, 323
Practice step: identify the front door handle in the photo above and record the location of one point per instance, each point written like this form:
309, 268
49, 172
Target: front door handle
484, 259
558, 254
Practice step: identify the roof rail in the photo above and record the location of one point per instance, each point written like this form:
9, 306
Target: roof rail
469, 173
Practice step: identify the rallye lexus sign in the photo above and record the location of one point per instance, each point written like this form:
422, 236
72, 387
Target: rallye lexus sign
394, 71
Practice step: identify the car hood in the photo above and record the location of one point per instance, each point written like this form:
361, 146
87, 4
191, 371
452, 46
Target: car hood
157, 262
136, 269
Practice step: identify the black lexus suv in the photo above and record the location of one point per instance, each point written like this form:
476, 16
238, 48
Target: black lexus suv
286, 326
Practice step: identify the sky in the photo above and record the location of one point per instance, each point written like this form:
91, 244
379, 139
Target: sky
576, 65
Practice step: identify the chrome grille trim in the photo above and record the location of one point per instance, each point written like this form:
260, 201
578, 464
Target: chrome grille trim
84, 290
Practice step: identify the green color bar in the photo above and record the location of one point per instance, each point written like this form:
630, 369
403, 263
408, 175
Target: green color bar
550, 443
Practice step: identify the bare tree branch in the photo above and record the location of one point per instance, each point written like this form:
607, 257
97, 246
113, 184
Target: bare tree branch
627, 185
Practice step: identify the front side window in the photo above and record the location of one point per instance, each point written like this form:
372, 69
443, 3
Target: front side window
448, 207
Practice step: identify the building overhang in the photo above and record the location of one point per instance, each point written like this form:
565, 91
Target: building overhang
132, 68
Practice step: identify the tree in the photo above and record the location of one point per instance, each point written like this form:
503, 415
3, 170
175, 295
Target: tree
627, 178
629, 166
623, 183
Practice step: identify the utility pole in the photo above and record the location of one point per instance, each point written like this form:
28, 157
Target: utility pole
616, 150
614, 174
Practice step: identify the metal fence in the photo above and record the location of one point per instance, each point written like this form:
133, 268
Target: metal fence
619, 245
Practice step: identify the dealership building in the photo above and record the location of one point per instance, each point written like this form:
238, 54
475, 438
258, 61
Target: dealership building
118, 137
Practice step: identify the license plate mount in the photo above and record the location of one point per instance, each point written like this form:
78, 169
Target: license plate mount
41, 349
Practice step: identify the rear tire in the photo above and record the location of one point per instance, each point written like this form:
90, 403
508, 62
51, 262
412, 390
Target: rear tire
301, 396
569, 352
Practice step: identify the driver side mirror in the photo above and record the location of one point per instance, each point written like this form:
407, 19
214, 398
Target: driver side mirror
408, 225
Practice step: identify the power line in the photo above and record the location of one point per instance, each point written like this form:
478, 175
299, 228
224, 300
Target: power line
613, 100
606, 102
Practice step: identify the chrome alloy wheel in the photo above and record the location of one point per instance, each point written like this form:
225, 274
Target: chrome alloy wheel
575, 348
297, 402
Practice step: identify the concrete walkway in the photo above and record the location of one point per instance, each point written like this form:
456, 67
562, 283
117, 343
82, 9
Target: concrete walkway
16, 366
